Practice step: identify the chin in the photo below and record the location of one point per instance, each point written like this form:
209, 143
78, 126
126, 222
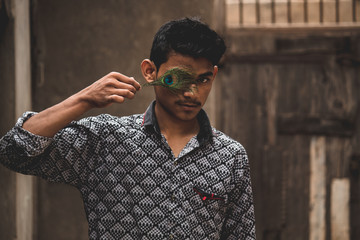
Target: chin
186, 116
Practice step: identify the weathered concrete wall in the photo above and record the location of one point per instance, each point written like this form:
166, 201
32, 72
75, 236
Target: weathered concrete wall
79, 42
74, 44
7, 120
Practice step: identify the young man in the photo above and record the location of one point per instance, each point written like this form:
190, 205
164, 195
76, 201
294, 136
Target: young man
164, 174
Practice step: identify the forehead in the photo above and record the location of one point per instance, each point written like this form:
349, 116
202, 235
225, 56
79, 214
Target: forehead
196, 65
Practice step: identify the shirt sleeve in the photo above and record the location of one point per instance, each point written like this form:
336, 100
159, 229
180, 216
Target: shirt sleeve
240, 217
66, 158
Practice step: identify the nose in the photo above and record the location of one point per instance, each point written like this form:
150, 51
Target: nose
191, 91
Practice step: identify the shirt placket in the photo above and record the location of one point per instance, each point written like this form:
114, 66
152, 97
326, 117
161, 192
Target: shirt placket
174, 206
176, 213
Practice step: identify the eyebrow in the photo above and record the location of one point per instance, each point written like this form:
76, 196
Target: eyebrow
206, 74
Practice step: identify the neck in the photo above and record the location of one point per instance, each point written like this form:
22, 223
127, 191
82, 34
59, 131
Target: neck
174, 127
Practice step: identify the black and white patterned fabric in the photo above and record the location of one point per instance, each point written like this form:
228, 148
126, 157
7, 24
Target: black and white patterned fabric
132, 185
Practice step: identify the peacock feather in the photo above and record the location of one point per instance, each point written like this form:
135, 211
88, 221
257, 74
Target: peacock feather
176, 80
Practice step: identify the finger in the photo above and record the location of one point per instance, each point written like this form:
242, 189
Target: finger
121, 85
129, 80
136, 84
123, 93
116, 99
133, 82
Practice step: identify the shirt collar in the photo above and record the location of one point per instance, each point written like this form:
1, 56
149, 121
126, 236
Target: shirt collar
204, 135
150, 120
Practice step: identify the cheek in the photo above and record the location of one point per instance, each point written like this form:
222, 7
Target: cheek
205, 91
162, 93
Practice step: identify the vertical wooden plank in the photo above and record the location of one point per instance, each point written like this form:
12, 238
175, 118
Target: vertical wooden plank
289, 17
241, 12
338, 152
257, 11
317, 221
337, 11
355, 198
340, 198
219, 16
295, 192
218, 24
321, 11
354, 10
24, 184
273, 13
306, 15
273, 189
271, 98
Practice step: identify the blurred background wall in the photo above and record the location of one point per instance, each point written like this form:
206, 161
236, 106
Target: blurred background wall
288, 90
73, 43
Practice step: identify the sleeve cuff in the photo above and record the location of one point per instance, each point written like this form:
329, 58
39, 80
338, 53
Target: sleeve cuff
32, 144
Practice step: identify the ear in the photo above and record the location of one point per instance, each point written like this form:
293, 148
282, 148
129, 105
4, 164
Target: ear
148, 70
216, 69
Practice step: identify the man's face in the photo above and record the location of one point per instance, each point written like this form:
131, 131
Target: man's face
185, 105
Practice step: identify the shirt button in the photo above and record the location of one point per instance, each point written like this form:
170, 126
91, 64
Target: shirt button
177, 215
175, 163
171, 236
173, 197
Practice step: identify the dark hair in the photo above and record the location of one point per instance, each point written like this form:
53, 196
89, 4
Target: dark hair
187, 36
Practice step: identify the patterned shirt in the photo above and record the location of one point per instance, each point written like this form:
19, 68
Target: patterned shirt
132, 185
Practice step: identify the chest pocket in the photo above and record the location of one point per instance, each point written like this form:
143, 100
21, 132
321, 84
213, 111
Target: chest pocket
208, 204
208, 196
208, 209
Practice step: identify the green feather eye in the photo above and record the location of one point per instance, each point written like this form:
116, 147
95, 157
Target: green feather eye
176, 80
169, 80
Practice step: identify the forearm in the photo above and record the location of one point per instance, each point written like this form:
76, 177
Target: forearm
48, 122
112, 88
26, 153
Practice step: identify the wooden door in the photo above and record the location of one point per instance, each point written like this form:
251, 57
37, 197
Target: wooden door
291, 97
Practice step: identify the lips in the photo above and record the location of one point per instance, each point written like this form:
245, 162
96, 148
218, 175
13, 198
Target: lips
189, 104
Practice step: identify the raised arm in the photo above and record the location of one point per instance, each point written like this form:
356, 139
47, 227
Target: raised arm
112, 88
